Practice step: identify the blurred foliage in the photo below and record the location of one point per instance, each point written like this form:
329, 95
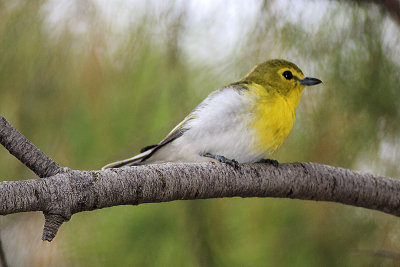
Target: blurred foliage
87, 94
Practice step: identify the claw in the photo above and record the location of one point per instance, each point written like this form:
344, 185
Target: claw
222, 159
273, 162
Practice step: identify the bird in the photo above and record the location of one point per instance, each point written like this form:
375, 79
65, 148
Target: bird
242, 122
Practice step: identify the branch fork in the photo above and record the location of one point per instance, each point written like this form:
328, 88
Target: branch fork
39, 163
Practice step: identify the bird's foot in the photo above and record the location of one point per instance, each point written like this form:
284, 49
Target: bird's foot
222, 159
273, 162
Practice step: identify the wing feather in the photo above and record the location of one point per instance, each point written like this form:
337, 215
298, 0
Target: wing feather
177, 132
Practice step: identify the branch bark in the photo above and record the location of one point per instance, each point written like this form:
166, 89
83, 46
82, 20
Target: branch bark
25, 151
34, 159
71, 191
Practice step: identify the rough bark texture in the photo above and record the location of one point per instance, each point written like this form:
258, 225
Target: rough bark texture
76, 191
67, 192
25, 151
34, 159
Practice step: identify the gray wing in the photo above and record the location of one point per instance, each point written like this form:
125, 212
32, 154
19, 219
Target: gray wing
174, 134
148, 151
177, 132
180, 128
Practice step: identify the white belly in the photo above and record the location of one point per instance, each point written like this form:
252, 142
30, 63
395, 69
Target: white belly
218, 126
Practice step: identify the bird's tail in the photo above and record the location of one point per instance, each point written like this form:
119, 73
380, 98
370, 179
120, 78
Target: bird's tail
136, 160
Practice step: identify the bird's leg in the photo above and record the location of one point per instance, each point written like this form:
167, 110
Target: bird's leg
273, 162
222, 159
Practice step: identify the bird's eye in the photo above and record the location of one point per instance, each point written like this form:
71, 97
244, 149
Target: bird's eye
288, 75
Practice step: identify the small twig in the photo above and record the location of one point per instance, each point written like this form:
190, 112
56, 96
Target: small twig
25, 151
51, 225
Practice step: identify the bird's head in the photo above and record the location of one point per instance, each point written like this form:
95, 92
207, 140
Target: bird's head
280, 75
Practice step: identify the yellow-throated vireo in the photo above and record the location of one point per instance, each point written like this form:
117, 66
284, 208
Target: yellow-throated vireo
242, 122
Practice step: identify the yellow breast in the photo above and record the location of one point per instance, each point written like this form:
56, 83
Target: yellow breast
273, 117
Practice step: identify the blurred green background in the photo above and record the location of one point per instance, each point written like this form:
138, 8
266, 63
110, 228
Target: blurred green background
90, 82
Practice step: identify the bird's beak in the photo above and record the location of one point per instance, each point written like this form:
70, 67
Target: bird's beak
308, 81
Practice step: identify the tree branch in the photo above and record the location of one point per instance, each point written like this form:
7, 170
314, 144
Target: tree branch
66, 193
25, 151
34, 159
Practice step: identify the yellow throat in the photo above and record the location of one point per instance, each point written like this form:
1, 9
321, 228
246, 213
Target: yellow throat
275, 88
274, 117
